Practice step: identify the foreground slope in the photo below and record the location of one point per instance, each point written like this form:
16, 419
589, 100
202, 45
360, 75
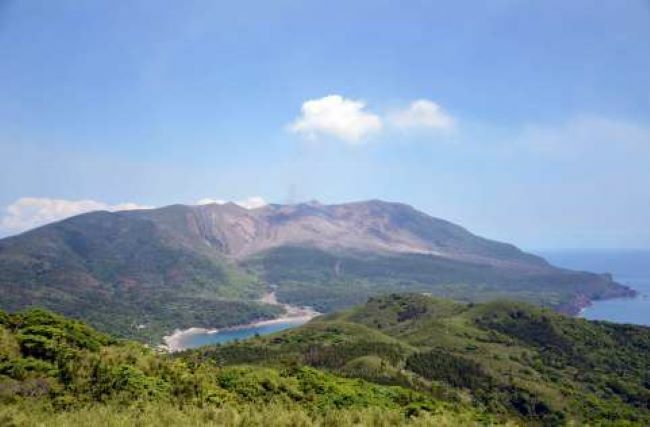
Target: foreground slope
144, 273
398, 360
59, 372
508, 358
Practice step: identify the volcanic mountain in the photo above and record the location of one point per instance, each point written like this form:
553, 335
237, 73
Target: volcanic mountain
142, 273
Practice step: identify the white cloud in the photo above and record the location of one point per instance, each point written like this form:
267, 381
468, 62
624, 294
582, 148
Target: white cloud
333, 115
422, 113
30, 212
253, 202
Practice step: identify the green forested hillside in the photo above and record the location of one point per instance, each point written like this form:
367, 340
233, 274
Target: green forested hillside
507, 358
59, 372
131, 276
332, 281
397, 360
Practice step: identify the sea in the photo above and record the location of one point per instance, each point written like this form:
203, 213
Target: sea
629, 267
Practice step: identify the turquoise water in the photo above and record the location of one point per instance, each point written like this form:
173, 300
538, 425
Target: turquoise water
631, 268
239, 333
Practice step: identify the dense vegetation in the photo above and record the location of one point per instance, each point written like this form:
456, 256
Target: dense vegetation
398, 359
59, 372
142, 274
507, 359
126, 275
333, 281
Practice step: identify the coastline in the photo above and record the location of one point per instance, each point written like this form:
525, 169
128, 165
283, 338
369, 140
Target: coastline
175, 341
580, 303
587, 311
620, 264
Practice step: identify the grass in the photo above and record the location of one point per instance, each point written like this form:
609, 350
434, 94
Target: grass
273, 415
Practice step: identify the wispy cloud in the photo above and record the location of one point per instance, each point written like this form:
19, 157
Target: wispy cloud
423, 114
252, 202
29, 212
209, 201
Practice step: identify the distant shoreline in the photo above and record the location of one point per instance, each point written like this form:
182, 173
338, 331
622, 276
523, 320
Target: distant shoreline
174, 342
581, 304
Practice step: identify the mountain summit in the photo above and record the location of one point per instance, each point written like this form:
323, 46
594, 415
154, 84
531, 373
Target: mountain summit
371, 226
145, 272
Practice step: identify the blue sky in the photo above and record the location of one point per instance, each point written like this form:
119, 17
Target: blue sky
525, 121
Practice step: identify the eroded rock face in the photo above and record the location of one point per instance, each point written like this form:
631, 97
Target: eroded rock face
372, 226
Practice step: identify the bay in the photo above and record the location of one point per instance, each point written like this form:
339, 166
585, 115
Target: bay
197, 337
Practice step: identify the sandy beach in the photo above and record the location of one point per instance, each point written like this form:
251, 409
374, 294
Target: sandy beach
175, 341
